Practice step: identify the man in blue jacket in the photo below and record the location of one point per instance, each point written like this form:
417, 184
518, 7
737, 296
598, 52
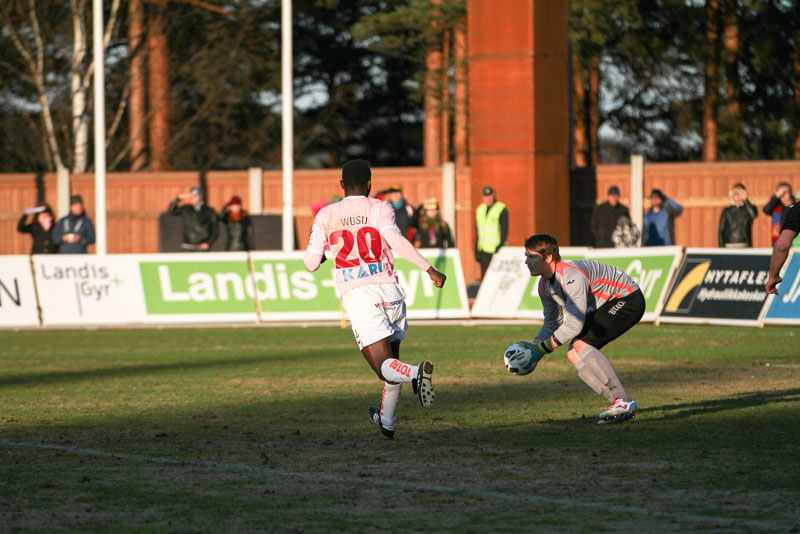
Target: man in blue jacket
659, 221
74, 232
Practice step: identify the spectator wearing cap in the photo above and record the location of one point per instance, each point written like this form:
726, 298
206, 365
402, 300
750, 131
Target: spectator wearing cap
38, 221
403, 211
605, 218
432, 230
659, 221
200, 221
238, 224
75, 231
491, 228
736, 221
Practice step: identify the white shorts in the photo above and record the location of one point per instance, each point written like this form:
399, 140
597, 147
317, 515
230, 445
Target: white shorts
376, 311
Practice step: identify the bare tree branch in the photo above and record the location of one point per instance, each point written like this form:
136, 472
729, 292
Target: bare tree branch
35, 61
118, 115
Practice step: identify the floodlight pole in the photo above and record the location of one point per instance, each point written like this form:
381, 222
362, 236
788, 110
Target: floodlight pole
287, 117
99, 129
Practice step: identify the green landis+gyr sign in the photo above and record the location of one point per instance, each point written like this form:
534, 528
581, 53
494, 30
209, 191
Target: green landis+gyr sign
278, 283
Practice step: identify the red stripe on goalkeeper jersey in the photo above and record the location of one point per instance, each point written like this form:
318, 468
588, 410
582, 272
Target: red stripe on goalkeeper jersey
560, 269
611, 283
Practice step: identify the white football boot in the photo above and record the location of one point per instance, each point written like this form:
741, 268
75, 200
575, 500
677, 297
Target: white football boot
620, 411
422, 384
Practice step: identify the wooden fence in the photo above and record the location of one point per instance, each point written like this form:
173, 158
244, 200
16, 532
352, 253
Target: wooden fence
134, 200
702, 189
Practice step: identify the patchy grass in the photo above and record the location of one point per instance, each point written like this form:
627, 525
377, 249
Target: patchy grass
265, 429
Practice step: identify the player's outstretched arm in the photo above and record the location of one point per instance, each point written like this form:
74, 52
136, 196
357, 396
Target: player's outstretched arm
780, 252
398, 243
437, 277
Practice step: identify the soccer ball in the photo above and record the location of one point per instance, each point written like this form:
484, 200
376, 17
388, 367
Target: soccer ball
521, 358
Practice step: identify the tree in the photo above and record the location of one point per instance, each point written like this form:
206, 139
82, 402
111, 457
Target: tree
45, 65
710, 94
137, 100
431, 34
595, 28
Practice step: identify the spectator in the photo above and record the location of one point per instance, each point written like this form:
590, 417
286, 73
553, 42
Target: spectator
777, 207
200, 222
606, 217
403, 211
491, 228
75, 231
659, 221
432, 232
38, 222
736, 221
238, 224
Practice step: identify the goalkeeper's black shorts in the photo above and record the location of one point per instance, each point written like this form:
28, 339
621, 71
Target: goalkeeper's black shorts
612, 319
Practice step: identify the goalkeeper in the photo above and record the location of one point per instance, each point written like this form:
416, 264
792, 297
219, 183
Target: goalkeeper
587, 304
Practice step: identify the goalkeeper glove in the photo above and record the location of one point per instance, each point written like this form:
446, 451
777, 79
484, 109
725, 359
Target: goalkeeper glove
537, 354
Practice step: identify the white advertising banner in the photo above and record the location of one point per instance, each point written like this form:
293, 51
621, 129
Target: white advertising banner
508, 291
220, 287
17, 292
80, 289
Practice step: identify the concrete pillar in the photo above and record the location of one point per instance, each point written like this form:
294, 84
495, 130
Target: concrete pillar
256, 186
519, 111
62, 192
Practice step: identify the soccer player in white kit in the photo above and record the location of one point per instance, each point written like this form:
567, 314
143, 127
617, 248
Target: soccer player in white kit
359, 233
587, 304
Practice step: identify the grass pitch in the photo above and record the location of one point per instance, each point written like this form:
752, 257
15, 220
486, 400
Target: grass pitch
266, 430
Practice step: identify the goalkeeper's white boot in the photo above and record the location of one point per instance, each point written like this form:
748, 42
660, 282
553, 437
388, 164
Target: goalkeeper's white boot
422, 384
375, 417
620, 411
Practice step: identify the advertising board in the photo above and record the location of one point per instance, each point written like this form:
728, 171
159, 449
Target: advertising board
79, 289
718, 286
784, 308
18, 305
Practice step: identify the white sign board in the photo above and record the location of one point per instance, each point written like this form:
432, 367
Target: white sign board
17, 292
508, 291
79, 289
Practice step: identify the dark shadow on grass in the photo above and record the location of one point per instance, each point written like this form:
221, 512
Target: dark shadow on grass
689, 409
123, 371
735, 402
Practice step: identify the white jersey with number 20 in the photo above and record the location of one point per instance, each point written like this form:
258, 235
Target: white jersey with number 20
358, 233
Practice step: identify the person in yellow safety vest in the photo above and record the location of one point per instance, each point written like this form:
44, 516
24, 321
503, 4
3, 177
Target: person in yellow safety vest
491, 228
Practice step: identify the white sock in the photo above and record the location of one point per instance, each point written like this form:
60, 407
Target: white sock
397, 371
389, 401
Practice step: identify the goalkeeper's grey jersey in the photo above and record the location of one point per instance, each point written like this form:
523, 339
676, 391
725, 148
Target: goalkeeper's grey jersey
577, 288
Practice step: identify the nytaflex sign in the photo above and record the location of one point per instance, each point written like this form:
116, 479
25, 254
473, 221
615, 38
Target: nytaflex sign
784, 308
719, 286
17, 292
